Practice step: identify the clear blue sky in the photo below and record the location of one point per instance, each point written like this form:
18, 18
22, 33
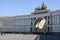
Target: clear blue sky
23, 7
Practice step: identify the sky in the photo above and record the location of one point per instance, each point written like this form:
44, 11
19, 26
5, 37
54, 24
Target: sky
25, 7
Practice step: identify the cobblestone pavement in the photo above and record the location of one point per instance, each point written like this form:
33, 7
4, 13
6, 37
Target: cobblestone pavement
17, 37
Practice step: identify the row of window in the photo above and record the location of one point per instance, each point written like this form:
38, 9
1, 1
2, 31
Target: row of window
54, 19
23, 21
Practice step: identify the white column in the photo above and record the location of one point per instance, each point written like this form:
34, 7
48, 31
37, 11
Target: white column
47, 21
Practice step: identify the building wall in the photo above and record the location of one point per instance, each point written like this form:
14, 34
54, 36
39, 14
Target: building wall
54, 23
10, 24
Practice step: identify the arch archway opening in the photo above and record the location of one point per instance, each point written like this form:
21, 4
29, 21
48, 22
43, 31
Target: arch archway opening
40, 25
